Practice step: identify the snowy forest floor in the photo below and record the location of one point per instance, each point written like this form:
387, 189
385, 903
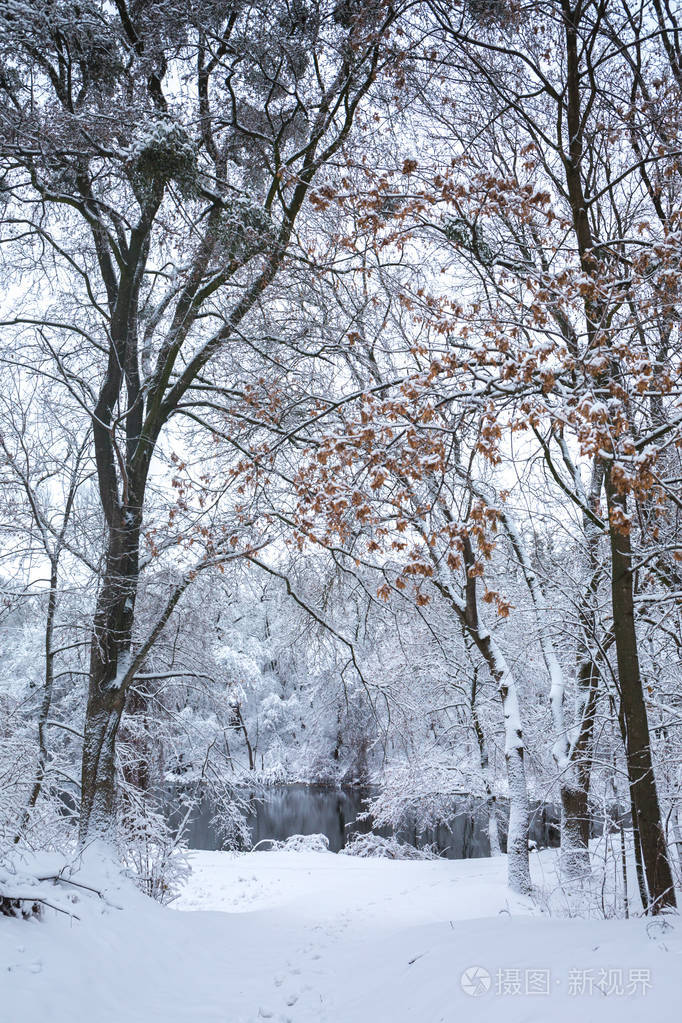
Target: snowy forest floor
320, 938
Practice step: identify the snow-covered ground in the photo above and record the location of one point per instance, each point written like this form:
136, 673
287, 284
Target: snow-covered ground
319, 938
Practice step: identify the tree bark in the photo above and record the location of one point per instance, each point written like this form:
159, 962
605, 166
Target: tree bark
575, 787
491, 800
645, 805
109, 658
518, 866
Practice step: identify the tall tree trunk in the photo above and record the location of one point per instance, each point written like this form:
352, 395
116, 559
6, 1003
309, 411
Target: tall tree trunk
110, 657
572, 747
575, 786
518, 866
491, 800
645, 805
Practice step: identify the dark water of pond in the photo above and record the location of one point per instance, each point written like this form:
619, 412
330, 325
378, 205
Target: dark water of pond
302, 809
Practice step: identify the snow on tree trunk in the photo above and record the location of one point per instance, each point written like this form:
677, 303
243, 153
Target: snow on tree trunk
570, 746
98, 804
110, 661
493, 828
575, 856
518, 867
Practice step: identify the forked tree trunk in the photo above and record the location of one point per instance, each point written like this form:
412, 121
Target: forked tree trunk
98, 774
645, 805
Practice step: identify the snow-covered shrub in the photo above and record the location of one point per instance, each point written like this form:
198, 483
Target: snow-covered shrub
35, 804
297, 843
153, 853
608, 890
16, 765
374, 846
230, 817
79, 884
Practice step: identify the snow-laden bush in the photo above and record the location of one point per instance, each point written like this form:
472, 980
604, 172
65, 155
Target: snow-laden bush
374, 846
35, 808
296, 843
153, 853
